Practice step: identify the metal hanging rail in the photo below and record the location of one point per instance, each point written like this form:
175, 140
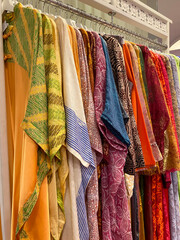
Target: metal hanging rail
111, 25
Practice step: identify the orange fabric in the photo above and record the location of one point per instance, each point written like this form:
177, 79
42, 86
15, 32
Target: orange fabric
137, 109
23, 157
74, 45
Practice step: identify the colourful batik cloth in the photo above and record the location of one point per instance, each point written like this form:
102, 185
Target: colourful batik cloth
59, 168
176, 79
155, 150
137, 108
80, 159
115, 224
174, 211
134, 158
34, 152
156, 101
92, 197
171, 147
88, 52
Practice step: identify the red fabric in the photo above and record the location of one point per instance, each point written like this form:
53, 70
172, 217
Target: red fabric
157, 106
167, 235
171, 160
148, 224
169, 99
157, 207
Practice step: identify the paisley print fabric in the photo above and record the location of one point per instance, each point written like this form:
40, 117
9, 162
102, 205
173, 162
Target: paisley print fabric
174, 213
115, 212
92, 198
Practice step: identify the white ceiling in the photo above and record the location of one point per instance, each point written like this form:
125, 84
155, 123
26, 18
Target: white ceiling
171, 9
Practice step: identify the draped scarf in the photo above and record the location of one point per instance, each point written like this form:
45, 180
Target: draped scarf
134, 158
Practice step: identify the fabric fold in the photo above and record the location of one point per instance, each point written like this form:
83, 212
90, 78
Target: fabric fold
80, 159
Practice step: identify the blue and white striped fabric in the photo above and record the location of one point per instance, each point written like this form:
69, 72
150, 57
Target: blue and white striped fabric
78, 139
80, 159
77, 136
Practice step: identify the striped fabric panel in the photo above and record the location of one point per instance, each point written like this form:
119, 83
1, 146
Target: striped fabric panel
80, 201
82, 214
78, 139
77, 136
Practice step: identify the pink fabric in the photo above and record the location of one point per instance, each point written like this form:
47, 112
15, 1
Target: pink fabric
92, 198
169, 98
116, 223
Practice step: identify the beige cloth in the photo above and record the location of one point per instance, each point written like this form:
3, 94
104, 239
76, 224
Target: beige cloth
74, 105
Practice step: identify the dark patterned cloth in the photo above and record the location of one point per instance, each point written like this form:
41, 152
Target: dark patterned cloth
135, 157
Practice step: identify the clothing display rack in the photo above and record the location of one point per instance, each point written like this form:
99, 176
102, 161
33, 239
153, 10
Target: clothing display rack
133, 12
103, 22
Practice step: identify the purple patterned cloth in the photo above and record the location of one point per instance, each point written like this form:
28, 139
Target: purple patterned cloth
92, 198
174, 211
116, 223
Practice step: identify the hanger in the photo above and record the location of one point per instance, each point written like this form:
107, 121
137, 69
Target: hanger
8, 5
28, 5
71, 22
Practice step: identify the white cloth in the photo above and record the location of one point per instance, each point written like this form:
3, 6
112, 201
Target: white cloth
78, 143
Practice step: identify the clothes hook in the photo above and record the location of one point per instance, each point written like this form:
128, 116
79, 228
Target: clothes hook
112, 14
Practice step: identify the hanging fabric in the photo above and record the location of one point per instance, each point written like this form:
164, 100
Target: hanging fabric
93, 133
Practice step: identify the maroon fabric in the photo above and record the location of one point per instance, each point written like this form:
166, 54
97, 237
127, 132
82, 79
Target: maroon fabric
148, 224
157, 106
167, 235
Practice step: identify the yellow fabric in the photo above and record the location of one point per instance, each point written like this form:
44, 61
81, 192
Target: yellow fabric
57, 185
141, 232
23, 158
141, 80
129, 180
73, 40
